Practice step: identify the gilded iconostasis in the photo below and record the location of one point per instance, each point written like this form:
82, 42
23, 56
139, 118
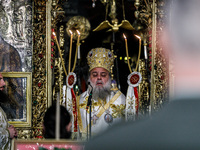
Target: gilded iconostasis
38, 50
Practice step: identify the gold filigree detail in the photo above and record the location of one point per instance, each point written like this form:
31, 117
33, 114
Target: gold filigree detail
84, 103
143, 89
118, 110
69, 105
24, 133
100, 57
39, 99
94, 103
130, 102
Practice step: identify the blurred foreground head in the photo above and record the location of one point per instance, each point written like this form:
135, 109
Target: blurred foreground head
182, 39
50, 123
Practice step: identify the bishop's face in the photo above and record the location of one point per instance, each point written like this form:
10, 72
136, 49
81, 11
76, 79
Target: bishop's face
2, 83
99, 77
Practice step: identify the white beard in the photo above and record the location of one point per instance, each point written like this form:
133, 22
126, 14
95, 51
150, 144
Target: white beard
101, 92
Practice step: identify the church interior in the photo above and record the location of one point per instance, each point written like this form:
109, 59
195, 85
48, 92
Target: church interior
44, 48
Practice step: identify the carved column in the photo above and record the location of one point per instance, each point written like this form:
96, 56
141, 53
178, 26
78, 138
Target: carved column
40, 82
159, 65
57, 14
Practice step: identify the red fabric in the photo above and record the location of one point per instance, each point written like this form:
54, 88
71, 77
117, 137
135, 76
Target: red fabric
137, 100
74, 109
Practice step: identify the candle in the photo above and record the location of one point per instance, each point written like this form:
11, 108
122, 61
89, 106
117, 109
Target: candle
70, 50
77, 47
126, 45
139, 52
58, 117
64, 96
78, 44
145, 48
79, 52
55, 37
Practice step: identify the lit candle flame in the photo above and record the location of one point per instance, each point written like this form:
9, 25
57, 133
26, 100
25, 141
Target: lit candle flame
124, 35
70, 32
138, 36
54, 33
78, 32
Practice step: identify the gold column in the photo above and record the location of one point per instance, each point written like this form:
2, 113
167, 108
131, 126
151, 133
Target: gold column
40, 80
154, 16
48, 53
57, 14
160, 65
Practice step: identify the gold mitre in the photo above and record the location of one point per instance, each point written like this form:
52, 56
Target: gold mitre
100, 57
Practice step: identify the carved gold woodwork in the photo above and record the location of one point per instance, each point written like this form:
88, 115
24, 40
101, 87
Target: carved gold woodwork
59, 77
44, 61
24, 133
39, 96
154, 93
144, 93
41, 61
56, 16
62, 40
159, 65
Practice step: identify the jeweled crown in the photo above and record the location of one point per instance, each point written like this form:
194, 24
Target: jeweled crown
100, 57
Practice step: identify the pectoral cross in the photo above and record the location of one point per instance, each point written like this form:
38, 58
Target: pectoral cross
94, 119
